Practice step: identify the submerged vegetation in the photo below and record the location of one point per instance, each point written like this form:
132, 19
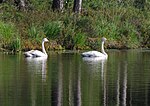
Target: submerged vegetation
125, 24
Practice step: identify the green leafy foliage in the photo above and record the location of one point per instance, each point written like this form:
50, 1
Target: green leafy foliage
9, 36
39, 5
33, 32
52, 29
7, 31
79, 39
15, 45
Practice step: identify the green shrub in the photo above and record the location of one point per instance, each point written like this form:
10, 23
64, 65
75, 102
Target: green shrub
68, 41
15, 45
146, 36
108, 29
9, 36
53, 29
128, 35
7, 31
79, 39
8, 11
86, 25
33, 32
39, 4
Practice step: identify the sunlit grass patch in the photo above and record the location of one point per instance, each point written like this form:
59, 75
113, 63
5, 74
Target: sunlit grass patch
7, 31
9, 36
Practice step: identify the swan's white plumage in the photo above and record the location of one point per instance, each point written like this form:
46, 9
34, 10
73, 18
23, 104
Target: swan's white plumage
92, 54
93, 59
37, 53
28, 54
103, 55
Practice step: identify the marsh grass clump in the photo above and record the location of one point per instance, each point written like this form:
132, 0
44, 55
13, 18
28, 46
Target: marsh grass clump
7, 31
35, 33
15, 44
79, 40
52, 29
9, 36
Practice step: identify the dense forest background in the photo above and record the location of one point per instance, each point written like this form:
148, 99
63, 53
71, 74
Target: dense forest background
74, 24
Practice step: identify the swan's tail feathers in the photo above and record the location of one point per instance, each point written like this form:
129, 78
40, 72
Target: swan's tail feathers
29, 53
84, 55
87, 55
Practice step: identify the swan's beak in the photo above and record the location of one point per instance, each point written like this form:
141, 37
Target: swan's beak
104, 39
47, 40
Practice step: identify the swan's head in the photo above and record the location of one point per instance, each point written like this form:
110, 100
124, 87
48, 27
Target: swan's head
45, 40
103, 39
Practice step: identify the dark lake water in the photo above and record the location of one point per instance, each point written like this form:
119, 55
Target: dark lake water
66, 79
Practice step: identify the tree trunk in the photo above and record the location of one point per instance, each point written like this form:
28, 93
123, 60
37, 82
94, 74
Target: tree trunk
20, 3
1, 1
77, 6
58, 5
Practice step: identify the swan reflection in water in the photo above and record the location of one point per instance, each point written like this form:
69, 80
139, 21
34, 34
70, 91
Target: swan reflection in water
93, 60
121, 90
37, 66
96, 63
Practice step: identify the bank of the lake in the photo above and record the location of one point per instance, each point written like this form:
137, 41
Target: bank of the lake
123, 24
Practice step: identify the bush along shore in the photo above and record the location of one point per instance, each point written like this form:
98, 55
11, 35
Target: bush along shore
123, 24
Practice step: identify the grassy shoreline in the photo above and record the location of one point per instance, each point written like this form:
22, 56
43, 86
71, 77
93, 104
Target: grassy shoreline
54, 46
125, 27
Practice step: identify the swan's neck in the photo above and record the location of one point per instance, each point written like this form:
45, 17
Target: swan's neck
102, 49
43, 48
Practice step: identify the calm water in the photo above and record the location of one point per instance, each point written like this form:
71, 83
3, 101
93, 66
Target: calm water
66, 79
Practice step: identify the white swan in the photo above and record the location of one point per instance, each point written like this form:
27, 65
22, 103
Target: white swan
37, 53
102, 55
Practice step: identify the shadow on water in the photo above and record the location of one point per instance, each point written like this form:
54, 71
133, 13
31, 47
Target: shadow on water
66, 83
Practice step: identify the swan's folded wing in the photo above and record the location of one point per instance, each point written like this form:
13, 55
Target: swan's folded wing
87, 54
37, 53
92, 54
28, 53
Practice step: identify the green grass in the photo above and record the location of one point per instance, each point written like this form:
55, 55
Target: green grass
7, 31
9, 36
79, 40
15, 44
124, 23
52, 29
